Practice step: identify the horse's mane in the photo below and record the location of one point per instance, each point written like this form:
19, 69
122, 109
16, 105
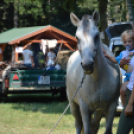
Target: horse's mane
105, 47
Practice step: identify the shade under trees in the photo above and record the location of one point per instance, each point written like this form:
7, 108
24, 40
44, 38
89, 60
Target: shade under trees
22, 13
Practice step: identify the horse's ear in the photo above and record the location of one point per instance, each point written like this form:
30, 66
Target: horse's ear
96, 17
75, 21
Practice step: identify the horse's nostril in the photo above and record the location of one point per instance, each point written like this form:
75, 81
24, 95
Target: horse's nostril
82, 65
91, 64
87, 67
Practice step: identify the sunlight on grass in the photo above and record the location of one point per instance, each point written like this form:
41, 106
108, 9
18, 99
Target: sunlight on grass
24, 117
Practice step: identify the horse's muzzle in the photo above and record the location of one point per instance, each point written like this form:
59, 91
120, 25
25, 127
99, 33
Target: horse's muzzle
88, 67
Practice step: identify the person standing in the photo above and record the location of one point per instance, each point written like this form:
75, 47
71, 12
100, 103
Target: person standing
28, 57
126, 122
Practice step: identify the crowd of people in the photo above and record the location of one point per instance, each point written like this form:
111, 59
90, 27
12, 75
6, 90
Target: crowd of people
50, 58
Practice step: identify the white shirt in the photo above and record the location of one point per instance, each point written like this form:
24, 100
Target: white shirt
51, 57
132, 62
122, 55
27, 56
131, 81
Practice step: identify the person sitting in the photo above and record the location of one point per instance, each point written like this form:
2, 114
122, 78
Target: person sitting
50, 59
28, 57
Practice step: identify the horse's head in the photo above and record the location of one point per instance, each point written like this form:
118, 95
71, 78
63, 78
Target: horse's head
87, 35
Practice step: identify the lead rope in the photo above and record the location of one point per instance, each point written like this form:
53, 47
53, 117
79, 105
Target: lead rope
80, 86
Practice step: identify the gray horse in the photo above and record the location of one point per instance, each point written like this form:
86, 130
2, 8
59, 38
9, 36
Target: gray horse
100, 90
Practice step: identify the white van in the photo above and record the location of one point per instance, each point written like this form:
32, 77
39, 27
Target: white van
116, 46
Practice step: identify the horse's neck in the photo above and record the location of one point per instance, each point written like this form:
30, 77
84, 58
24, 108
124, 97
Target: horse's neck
101, 66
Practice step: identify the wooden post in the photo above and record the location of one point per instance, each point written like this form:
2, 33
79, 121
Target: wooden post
16, 54
2, 47
1, 54
13, 55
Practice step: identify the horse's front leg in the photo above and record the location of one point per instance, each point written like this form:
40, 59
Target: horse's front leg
76, 113
85, 113
96, 121
110, 117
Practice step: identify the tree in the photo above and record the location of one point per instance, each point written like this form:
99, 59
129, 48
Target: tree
103, 18
24, 13
130, 10
1, 14
15, 13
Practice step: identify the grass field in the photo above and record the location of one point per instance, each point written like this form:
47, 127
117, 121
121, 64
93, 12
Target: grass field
37, 114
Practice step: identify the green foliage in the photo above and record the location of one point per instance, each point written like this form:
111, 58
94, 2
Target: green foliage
117, 10
40, 12
53, 12
6, 15
41, 59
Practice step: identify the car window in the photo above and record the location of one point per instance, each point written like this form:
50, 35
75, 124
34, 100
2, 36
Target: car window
116, 30
117, 49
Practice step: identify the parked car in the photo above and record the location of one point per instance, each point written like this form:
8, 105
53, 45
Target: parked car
116, 46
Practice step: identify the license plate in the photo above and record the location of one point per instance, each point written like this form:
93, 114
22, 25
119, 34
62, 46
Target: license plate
43, 79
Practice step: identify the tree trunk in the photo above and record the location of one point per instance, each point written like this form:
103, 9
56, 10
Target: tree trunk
130, 14
15, 14
103, 18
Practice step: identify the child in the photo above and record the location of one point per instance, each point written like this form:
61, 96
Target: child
128, 40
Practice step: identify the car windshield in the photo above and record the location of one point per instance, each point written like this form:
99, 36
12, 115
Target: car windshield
116, 30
